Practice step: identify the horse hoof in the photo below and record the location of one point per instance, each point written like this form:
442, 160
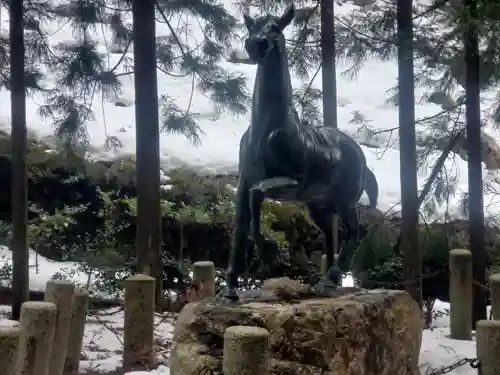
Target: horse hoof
325, 287
229, 295
334, 275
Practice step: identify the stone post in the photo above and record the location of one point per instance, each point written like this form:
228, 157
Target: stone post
460, 294
324, 266
204, 279
246, 351
38, 320
494, 284
10, 337
75, 342
139, 320
60, 292
488, 346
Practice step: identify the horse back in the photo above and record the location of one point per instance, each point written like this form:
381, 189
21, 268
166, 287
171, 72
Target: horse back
352, 165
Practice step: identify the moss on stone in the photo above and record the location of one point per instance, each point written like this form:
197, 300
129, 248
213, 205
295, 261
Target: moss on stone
77, 330
10, 338
488, 346
357, 331
38, 320
60, 293
246, 351
138, 320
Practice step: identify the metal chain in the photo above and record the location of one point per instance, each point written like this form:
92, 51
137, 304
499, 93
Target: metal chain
473, 362
404, 282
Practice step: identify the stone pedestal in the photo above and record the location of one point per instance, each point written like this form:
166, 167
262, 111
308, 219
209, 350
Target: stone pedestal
352, 332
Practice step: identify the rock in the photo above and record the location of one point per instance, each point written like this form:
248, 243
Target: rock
490, 152
353, 332
124, 102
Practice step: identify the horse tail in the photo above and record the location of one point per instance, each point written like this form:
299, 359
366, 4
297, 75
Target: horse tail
371, 188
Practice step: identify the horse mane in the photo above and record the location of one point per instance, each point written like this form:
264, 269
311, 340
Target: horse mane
319, 144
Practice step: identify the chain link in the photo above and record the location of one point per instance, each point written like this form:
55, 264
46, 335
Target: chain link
473, 362
403, 282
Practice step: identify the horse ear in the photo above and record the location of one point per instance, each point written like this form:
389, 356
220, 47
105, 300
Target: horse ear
249, 21
287, 17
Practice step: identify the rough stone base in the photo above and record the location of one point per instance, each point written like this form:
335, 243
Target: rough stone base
353, 332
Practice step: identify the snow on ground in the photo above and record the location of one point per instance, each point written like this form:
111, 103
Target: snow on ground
103, 341
219, 150
43, 269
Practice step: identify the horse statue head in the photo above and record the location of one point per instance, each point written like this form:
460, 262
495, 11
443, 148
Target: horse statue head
265, 43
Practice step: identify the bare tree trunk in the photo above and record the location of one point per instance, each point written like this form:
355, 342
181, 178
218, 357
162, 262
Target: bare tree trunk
19, 196
408, 154
148, 239
473, 126
329, 85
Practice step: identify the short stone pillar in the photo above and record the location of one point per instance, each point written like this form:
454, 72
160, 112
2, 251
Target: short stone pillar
324, 265
204, 279
460, 264
139, 320
488, 346
60, 292
38, 320
75, 342
246, 351
494, 283
10, 337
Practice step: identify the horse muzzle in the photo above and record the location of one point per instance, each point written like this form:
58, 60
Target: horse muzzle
257, 48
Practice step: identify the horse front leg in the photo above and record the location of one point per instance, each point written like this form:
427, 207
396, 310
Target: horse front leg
323, 219
237, 257
257, 197
275, 187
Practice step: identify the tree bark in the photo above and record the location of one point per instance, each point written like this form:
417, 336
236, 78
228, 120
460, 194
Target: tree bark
408, 154
19, 196
329, 85
475, 172
148, 237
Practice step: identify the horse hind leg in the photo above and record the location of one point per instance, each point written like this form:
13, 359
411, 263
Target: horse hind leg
350, 220
323, 219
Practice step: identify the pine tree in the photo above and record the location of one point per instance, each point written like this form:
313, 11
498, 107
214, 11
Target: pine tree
74, 75
77, 73
370, 32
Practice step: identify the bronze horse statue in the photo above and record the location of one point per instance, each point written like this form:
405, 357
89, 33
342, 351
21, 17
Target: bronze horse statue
284, 160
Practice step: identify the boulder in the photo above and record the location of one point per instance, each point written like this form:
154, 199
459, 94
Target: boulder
351, 332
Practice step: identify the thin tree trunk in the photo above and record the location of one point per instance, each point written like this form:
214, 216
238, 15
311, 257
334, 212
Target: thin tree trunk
329, 85
408, 155
19, 196
148, 238
473, 126
180, 258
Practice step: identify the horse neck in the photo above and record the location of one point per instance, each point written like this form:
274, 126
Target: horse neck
272, 98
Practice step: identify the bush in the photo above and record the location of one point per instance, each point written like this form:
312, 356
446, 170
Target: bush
85, 211
377, 264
